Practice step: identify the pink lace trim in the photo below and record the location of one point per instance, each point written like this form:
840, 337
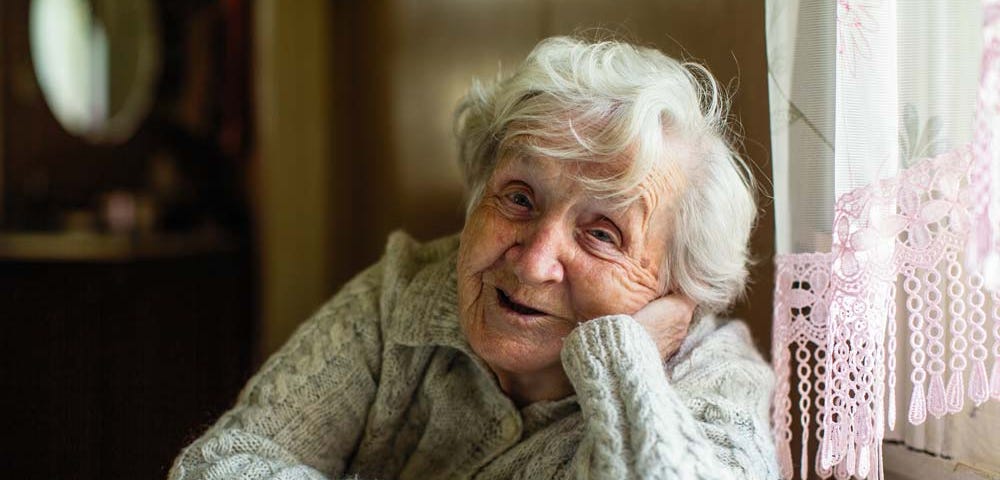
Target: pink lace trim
800, 333
835, 313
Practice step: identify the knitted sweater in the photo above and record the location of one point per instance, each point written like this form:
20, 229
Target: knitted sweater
381, 383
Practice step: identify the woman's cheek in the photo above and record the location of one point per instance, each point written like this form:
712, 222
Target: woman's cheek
608, 292
485, 238
498, 230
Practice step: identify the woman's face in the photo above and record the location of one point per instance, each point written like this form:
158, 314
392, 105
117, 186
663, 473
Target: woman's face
539, 255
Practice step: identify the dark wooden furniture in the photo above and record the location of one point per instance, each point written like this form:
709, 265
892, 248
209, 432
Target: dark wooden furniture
111, 365
116, 351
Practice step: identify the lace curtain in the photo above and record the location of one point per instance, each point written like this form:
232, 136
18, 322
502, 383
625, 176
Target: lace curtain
885, 120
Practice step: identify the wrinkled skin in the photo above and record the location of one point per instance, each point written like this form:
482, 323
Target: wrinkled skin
540, 255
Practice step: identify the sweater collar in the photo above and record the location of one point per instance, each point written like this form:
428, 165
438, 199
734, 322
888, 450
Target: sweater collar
431, 296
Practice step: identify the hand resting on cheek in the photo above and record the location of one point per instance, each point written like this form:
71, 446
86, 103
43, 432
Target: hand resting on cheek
667, 319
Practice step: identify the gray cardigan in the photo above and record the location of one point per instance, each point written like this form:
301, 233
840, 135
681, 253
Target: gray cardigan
381, 383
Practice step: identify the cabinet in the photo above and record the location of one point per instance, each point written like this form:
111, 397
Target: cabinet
111, 366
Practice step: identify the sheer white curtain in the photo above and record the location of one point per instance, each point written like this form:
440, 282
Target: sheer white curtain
882, 113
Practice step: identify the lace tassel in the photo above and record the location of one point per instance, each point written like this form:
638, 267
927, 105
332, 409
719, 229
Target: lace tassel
829, 451
851, 458
918, 408
955, 392
840, 471
881, 462
784, 455
891, 365
995, 380
979, 389
864, 462
804, 470
935, 397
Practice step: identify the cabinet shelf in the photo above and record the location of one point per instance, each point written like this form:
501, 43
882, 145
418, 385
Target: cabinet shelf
101, 247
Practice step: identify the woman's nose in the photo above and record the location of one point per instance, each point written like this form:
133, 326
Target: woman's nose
537, 259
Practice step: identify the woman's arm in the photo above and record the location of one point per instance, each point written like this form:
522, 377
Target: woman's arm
709, 424
302, 415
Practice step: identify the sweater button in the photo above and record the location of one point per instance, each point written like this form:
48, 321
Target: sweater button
510, 428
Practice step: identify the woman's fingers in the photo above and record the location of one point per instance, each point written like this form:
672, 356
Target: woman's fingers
667, 319
674, 306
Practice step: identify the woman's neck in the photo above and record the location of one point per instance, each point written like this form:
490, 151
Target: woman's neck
527, 388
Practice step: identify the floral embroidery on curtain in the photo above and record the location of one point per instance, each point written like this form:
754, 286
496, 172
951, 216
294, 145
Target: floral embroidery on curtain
912, 236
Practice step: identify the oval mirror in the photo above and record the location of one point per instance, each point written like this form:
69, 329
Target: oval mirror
97, 62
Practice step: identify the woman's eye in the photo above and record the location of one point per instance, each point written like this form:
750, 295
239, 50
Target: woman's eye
603, 236
520, 199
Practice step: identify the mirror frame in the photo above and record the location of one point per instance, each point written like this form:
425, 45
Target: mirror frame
121, 125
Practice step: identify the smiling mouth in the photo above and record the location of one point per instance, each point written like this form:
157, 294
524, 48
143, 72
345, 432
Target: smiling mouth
516, 307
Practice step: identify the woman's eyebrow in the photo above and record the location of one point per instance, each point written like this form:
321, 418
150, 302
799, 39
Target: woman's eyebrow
644, 208
523, 157
635, 214
624, 216
625, 206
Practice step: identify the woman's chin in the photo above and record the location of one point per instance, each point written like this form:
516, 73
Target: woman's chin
517, 356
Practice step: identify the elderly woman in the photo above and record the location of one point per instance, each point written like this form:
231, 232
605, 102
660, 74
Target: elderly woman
569, 331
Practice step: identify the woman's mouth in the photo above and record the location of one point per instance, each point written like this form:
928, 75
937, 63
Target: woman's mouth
510, 304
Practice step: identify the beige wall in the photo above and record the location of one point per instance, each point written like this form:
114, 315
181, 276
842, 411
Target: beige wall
437, 48
400, 66
292, 168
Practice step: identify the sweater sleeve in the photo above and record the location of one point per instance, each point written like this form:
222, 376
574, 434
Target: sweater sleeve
301, 416
638, 424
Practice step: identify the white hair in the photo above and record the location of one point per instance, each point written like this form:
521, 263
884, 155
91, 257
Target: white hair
597, 102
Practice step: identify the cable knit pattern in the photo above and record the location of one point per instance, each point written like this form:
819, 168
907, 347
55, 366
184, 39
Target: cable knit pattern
380, 383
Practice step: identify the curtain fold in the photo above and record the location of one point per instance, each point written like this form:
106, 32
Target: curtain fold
884, 117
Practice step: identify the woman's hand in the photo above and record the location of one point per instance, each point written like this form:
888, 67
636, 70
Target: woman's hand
666, 319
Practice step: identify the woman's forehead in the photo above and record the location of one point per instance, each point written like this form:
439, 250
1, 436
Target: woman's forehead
592, 169
642, 199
